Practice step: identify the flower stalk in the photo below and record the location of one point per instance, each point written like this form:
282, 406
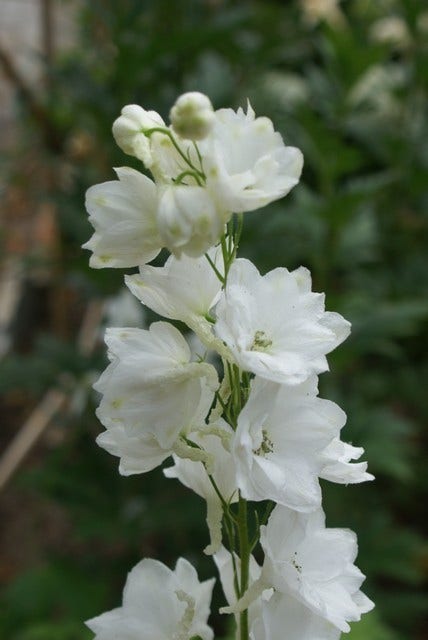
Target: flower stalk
239, 413
244, 552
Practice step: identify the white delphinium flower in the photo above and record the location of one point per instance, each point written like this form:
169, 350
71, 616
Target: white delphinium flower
272, 616
129, 131
192, 115
314, 564
159, 603
151, 392
123, 213
194, 476
282, 616
247, 163
274, 325
338, 466
391, 30
280, 441
188, 220
183, 289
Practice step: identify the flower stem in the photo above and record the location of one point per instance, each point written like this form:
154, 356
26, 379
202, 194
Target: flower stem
167, 132
244, 552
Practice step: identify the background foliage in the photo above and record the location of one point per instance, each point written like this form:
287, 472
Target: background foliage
350, 89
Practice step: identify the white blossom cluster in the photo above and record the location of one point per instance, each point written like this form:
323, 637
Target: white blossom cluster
258, 432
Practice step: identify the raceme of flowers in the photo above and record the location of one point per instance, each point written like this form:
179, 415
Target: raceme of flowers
240, 418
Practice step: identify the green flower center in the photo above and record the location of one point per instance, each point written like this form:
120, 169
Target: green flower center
266, 445
261, 342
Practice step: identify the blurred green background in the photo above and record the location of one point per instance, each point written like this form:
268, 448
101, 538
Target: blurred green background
348, 84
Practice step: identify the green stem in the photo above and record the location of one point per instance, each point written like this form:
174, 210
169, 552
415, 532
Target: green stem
168, 133
216, 271
184, 174
244, 552
226, 257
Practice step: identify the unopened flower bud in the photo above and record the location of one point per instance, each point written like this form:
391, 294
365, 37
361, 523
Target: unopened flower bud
129, 130
188, 221
192, 116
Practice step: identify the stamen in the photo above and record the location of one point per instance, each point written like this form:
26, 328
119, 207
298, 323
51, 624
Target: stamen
261, 342
266, 445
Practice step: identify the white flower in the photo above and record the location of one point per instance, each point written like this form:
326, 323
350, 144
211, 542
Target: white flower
188, 220
192, 115
194, 476
129, 131
151, 388
272, 616
391, 30
246, 163
314, 565
338, 466
315, 11
281, 433
159, 603
282, 616
274, 325
123, 214
183, 289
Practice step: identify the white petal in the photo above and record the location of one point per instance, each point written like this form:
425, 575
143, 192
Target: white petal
138, 454
188, 220
123, 213
338, 466
284, 617
183, 289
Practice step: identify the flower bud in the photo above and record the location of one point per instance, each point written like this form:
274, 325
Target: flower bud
192, 116
129, 130
188, 221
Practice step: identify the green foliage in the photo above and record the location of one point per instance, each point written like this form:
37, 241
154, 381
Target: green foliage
59, 598
357, 109
371, 628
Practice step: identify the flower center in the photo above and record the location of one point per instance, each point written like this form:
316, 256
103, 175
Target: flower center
261, 342
266, 445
